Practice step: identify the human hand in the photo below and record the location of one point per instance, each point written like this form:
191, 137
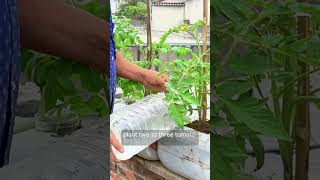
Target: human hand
116, 144
154, 82
154, 145
115, 177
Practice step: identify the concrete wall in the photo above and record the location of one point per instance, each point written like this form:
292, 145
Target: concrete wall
194, 11
115, 5
164, 17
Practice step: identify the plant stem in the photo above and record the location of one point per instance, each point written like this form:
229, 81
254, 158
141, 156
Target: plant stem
259, 89
149, 40
275, 99
205, 57
314, 91
286, 147
302, 126
299, 77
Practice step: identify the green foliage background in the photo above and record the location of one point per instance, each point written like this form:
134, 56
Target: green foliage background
133, 8
56, 76
255, 41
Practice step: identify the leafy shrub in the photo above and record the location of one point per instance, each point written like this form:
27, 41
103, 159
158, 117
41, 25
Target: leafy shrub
134, 11
133, 8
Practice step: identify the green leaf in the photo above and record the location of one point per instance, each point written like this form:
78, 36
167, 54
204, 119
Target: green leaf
51, 92
218, 122
251, 64
156, 62
99, 104
29, 67
26, 56
164, 51
40, 72
231, 88
258, 148
82, 108
64, 78
228, 158
177, 112
190, 98
76, 99
252, 112
91, 79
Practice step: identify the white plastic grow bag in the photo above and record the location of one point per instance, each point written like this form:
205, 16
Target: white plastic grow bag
191, 161
145, 115
149, 153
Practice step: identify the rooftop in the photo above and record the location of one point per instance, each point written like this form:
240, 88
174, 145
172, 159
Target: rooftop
170, 3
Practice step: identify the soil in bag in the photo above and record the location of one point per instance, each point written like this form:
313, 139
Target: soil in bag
200, 126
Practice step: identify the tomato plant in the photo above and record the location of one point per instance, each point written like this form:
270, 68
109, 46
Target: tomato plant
256, 42
187, 80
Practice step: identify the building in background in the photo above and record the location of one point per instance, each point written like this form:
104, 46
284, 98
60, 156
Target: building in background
170, 13
115, 5
166, 14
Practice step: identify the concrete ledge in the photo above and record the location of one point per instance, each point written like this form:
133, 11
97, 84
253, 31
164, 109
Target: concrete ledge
23, 124
82, 156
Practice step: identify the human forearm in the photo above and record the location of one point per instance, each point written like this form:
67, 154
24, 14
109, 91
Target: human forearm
128, 70
52, 27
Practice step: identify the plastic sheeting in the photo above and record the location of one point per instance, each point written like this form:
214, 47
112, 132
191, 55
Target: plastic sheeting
145, 115
190, 161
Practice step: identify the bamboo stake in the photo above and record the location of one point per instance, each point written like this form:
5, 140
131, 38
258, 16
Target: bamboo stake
205, 58
302, 126
149, 40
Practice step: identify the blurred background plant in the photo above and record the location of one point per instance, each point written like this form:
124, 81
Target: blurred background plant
133, 8
66, 86
255, 43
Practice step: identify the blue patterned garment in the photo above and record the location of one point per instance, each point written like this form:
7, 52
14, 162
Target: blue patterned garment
113, 72
9, 74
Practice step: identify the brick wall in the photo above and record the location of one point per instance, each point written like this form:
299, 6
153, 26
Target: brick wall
139, 169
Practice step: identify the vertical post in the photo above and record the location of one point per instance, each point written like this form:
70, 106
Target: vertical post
302, 126
205, 58
138, 55
149, 40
